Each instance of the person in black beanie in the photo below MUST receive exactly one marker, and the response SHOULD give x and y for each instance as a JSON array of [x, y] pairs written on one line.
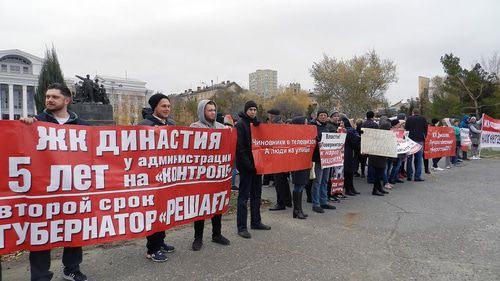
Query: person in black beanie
[[250, 183], [320, 183], [160, 106]]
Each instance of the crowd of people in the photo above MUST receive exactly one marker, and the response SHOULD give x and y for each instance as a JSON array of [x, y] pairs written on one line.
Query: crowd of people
[[383, 172]]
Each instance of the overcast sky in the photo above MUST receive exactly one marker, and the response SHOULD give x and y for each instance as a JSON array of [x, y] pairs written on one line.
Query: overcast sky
[[175, 45]]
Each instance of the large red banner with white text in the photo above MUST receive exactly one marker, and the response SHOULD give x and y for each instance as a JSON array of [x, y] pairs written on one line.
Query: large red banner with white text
[[64, 185], [440, 142], [279, 148]]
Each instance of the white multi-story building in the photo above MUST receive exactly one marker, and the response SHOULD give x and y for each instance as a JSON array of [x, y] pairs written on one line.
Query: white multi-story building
[[263, 82], [19, 73]]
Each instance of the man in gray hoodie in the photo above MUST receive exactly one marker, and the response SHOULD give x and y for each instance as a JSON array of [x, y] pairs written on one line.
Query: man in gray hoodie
[[207, 114]]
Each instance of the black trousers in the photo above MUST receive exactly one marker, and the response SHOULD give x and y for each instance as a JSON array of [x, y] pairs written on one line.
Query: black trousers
[[379, 178], [283, 195], [155, 241], [40, 263], [362, 163], [250, 188], [348, 181], [216, 227]]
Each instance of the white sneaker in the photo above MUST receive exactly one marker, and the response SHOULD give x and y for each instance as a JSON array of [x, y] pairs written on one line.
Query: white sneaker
[[448, 167], [474, 158], [439, 169]]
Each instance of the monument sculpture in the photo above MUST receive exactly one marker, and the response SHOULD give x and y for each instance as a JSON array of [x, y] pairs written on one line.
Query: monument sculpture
[[91, 102]]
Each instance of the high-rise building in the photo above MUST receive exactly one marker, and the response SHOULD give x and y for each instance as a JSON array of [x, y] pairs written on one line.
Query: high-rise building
[[263, 82]]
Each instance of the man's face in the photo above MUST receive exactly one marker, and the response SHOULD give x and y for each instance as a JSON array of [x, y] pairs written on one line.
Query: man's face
[[162, 109], [270, 116], [55, 100], [251, 112], [210, 112], [322, 117]]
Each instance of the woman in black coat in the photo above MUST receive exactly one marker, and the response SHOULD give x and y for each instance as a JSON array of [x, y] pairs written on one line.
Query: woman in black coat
[[299, 179], [352, 143], [379, 164]]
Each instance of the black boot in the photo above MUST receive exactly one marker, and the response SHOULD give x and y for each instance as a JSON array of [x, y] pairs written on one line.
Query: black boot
[[380, 188], [355, 191], [348, 191], [376, 192], [297, 206]]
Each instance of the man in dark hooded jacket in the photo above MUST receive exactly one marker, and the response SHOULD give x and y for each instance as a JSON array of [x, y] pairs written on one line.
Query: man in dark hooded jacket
[[207, 110], [160, 105], [250, 182], [57, 99]]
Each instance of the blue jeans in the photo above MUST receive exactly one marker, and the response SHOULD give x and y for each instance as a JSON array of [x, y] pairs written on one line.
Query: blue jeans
[[418, 160], [320, 186], [393, 175], [298, 187], [387, 171], [233, 178]]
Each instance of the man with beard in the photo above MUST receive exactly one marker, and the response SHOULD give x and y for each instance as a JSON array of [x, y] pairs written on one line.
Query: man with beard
[[57, 98], [250, 182], [207, 112]]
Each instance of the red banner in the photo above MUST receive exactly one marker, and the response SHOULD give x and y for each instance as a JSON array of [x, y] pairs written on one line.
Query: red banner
[[77, 185], [440, 142], [279, 148]]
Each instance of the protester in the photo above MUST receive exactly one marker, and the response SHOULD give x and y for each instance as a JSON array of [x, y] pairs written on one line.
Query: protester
[[299, 179], [207, 110], [57, 99], [379, 163], [456, 160], [393, 170], [229, 123], [283, 195], [361, 157], [250, 182], [464, 124], [320, 183], [160, 105], [435, 161], [417, 127], [352, 144], [475, 136], [371, 124]]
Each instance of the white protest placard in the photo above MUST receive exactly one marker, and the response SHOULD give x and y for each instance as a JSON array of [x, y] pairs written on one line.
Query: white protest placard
[[379, 142], [331, 150], [464, 137]]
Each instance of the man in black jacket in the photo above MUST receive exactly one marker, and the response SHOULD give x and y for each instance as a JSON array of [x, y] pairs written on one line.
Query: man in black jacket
[[56, 111], [250, 182], [417, 127], [160, 105]]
